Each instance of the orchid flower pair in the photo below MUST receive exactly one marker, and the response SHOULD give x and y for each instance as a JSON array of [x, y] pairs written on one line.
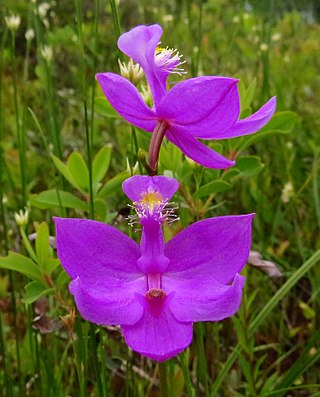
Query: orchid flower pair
[[206, 107], [155, 291]]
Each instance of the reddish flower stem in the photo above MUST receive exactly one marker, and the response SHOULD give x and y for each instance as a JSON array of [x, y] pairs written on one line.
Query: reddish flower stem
[[154, 148]]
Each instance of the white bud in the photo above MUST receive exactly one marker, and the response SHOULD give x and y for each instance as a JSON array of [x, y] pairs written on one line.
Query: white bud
[[43, 9], [131, 71], [264, 47], [276, 37], [13, 22], [29, 34], [287, 192], [47, 53], [236, 19], [22, 217]]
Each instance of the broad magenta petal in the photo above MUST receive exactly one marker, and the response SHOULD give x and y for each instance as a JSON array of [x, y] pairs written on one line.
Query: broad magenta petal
[[93, 250], [251, 124], [137, 185], [197, 151], [111, 301], [158, 337], [127, 101], [201, 106], [218, 247], [207, 299]]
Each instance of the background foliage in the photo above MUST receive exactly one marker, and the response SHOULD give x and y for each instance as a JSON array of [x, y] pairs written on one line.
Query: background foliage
[[65, 152]]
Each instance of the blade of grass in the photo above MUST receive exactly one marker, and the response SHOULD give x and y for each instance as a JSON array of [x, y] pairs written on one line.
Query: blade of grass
[[263, 314]]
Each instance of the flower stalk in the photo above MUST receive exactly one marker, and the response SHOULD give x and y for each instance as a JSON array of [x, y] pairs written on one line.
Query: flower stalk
[[154, 148]]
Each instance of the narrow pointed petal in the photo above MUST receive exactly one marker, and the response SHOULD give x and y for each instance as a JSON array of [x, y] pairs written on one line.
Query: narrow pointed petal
[[107, 301], [127, 101], [202, 106], [215, 246], [152, 258], [197, 151], [136, 186], [92, 250], [251, 124], [140, 44], [208, 300], [158, 337]]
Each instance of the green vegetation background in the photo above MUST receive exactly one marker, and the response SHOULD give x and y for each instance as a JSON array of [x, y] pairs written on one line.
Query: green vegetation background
[[65, 152]]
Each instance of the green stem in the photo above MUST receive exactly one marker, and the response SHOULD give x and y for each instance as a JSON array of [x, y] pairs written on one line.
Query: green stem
[[163, 379], [116, 23]]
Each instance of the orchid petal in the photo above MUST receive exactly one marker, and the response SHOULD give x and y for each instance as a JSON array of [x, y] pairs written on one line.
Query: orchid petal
[[140, 44], [158, 337], [201, 106], [218, 246], [127, 101], [136, 186], [92, 250], [106, 302], [197, 151], [251, 124], [208, 300]]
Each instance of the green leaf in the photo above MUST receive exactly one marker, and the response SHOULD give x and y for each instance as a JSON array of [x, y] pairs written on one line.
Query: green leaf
[[103, 107], [78, 170], [113, 184], [34, 291], [63, 169], [42, 242], [230, 173], [249, 165], [281, 123], [247, 95], [50, 199], [100, 209], [21, 264], [212, 187], [50, 264], [62, 279], [101, 164]]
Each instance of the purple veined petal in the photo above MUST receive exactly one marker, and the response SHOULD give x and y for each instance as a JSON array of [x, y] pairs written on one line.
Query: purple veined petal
[[197, 151], [201, 106], [140, 44], [158, 337], [136, 186], [207, 299], [109, 301], [152, 258], [216, 246], [127, 101], [91, 250], [251, 124]]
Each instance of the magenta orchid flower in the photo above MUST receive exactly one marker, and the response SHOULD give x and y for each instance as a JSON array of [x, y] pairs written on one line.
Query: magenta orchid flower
[[206, 107], [155, 291]]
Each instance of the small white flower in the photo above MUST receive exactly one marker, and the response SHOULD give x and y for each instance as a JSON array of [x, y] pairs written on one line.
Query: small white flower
[[13, 22], [22, 217], [167, 18], [47, 53], [264, 47], [29, 34], [43, 10], [276, 37], [236, 19], [287, 192]]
